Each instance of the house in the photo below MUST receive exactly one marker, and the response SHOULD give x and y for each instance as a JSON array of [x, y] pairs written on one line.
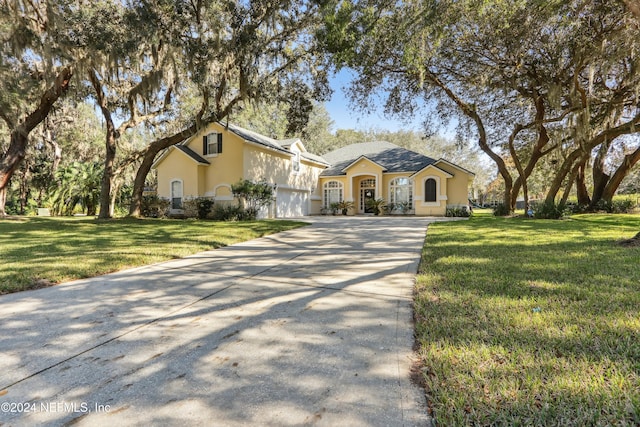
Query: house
[[220, 155], [373, 170]]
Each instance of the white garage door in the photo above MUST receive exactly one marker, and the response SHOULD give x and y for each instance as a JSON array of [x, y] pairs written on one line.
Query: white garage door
[[291, 203]]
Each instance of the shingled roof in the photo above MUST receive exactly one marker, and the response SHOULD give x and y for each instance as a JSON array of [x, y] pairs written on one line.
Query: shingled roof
[[282, 145], [391, 157], [195, 156]]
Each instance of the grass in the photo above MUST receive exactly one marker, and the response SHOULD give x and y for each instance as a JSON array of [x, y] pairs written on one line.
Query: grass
[[38, 252], [531, 322]]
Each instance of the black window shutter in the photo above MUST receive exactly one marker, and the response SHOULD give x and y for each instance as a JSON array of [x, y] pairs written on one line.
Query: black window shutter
[[204, 145], [219, 143]]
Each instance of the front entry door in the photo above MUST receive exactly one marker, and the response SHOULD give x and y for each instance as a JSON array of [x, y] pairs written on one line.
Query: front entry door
[[367, 194]]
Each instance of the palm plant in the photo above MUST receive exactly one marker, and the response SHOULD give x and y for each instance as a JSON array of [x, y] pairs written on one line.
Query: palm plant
[[78, 183], [345, 206], [376, 205]]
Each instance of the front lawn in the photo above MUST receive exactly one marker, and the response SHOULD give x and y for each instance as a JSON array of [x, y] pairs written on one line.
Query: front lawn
[[38, 252], [531, 322]]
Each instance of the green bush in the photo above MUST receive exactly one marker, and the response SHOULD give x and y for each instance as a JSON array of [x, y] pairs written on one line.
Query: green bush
[[189, 208], [501, 210], [255, 194], [578, 208], [226, 212], [549, 210], [461, 212], [623, 206], [199, 206], [154, 207]]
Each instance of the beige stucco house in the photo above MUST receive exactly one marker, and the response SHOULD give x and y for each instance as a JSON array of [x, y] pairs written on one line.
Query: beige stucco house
[[207, 164]]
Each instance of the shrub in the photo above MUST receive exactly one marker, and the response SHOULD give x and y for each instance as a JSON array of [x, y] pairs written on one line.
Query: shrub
[[255, 194], [189, 208], [376, 205], [154, 207], [549, 210], [501, 210], [345, 206], [203, 206], [226, 212], [578, 208], [460, 212], [622, 206]]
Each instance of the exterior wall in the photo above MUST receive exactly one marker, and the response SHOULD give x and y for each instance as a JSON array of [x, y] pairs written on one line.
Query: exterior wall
[[437, 208], [178, 166], [458, 186], [277, 168], [225, 168]]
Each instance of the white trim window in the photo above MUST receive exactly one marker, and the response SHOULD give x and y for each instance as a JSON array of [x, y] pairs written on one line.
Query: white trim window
[[401, 191], [295, 163], [176, 194], [431, 191], [332, 193], [212, 144]]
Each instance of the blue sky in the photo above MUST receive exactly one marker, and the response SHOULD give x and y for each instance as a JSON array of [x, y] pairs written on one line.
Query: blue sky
[[347, 117]]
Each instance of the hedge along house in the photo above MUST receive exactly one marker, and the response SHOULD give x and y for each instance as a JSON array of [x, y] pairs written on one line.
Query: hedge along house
[[374, 170], [207, 164], [218, 156]]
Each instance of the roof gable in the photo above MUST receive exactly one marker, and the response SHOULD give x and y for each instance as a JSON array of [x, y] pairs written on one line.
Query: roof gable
[[192, 154], [184, 150], [363, 159], [455, 166], [433, 166]]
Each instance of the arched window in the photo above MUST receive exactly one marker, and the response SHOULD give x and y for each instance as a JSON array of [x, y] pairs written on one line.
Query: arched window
[[332, 193], [430, 190], [401, 191], [176, 194]]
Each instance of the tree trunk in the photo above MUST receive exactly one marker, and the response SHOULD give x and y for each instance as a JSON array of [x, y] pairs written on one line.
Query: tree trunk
[[110, 148], [581, 186], [107, 176], [629, 162], [600, 178], [148, 157], [470, 111], [570, 182], [3, 201], [20, 134], [24, 188]]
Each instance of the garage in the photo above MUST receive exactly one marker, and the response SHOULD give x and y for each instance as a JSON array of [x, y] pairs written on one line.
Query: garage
[[291, 203]]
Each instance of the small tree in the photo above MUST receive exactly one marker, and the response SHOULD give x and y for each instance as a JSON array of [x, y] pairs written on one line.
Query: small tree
[[254, 195]]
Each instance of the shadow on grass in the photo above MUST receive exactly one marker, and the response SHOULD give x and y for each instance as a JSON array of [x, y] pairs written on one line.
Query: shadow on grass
[[51, 250], [531, 322]]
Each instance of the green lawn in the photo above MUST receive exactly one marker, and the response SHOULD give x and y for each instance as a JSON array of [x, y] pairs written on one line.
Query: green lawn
[[36, 252], [531, 322]]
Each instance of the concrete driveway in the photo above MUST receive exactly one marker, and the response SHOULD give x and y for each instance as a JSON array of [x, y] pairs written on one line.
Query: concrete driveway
[[311, 326]]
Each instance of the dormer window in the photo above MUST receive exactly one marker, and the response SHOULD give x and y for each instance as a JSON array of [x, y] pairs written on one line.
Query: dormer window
[[212, 144]]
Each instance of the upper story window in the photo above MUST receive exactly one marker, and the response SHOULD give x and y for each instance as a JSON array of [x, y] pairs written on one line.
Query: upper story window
[[295, 162], [430, 190], [212, 144]]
